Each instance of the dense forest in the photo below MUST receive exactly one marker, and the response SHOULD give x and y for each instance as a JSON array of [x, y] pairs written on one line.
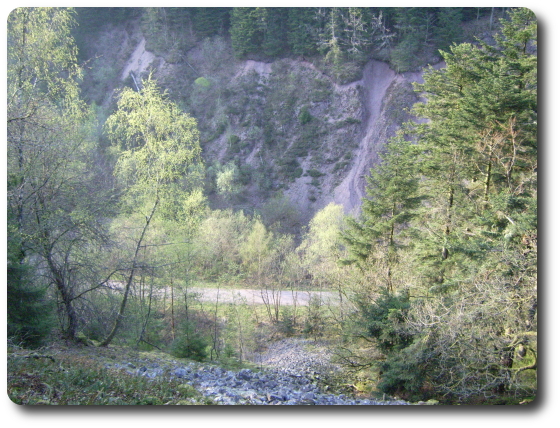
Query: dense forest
[[118, 217]]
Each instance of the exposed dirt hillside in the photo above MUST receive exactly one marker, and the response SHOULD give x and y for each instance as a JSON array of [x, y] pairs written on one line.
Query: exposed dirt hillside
[[286, 126]]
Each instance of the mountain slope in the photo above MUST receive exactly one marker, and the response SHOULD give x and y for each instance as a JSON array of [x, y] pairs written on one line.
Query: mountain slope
[[283, 127]]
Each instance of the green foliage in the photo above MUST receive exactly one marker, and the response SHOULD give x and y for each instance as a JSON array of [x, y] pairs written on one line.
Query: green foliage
[[209, 21], [321, 246], [404, 54], [29, 309], [219, 239], [158, 149], [54, 193], [451, 214], [245, 34], [233, 140], [30, 312], [281, 215], [301, 21], [202, 82], [287, 322], [304, 115], [403, 374], [384, 320], [227, 180], [259, 30], [315, 173], [68, 378], [448, 27], [456, 208], [164, 31], [315, 318], [190, 344]]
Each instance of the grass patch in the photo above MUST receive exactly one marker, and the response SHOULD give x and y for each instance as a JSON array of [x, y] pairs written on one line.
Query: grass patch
[[74, 378]]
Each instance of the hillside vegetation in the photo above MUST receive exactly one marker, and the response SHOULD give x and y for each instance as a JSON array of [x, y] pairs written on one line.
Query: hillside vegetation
[[384, 156]]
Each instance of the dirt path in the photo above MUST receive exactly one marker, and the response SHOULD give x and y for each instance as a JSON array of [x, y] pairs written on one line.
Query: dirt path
[[260, 297]]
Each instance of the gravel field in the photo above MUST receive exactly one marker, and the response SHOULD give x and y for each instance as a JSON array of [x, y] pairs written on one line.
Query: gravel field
[[290, 375]]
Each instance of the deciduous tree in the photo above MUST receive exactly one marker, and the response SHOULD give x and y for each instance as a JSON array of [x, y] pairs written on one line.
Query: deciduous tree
[[158, 164]]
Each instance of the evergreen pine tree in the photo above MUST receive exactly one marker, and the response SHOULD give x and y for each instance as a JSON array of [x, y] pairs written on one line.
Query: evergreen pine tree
[[301, 31], [390, 206], [246, 35]]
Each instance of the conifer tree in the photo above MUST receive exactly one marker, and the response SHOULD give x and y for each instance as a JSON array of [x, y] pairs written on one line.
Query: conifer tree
[[476, 230], [480, 137], [246, 36], [301, 31], [392, 200]]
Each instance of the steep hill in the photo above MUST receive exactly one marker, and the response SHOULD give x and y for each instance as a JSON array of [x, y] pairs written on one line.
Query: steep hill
[[283, 130]]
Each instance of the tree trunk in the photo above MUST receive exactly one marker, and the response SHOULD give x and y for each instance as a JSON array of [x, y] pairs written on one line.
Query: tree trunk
[[145, 325], [487, 182], [120, 315], [445, 250], [172, 313]]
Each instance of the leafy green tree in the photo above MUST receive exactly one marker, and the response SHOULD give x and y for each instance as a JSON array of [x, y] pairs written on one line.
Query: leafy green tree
[[322, 245], [218, 240], [158, 164], [53, 193], [255, 251]]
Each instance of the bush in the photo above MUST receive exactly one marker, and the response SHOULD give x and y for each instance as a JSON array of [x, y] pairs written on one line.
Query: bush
[[233, 139], [304, 116], [190, 344], [30, 317], [384, 320], [404, 373], [314, 323], [287, 323], [202, 82], [315, 173]]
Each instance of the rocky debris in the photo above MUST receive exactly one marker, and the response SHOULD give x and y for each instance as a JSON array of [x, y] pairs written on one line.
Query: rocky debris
[[291, 377], [248, 387], [297, 354]]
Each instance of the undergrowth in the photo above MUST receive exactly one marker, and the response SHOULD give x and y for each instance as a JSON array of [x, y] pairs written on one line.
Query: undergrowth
[[54, 378]]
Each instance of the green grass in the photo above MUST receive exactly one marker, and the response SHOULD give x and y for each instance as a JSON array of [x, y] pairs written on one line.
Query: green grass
[[72, 378]]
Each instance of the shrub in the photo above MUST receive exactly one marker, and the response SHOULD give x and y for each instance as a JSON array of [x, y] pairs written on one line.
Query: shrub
[[190, 344], [315, 173], [384, 320], [203, 82], [233, 139], [29, 310], [404, 373], [304, 116], [315, 322], [287, 323]]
